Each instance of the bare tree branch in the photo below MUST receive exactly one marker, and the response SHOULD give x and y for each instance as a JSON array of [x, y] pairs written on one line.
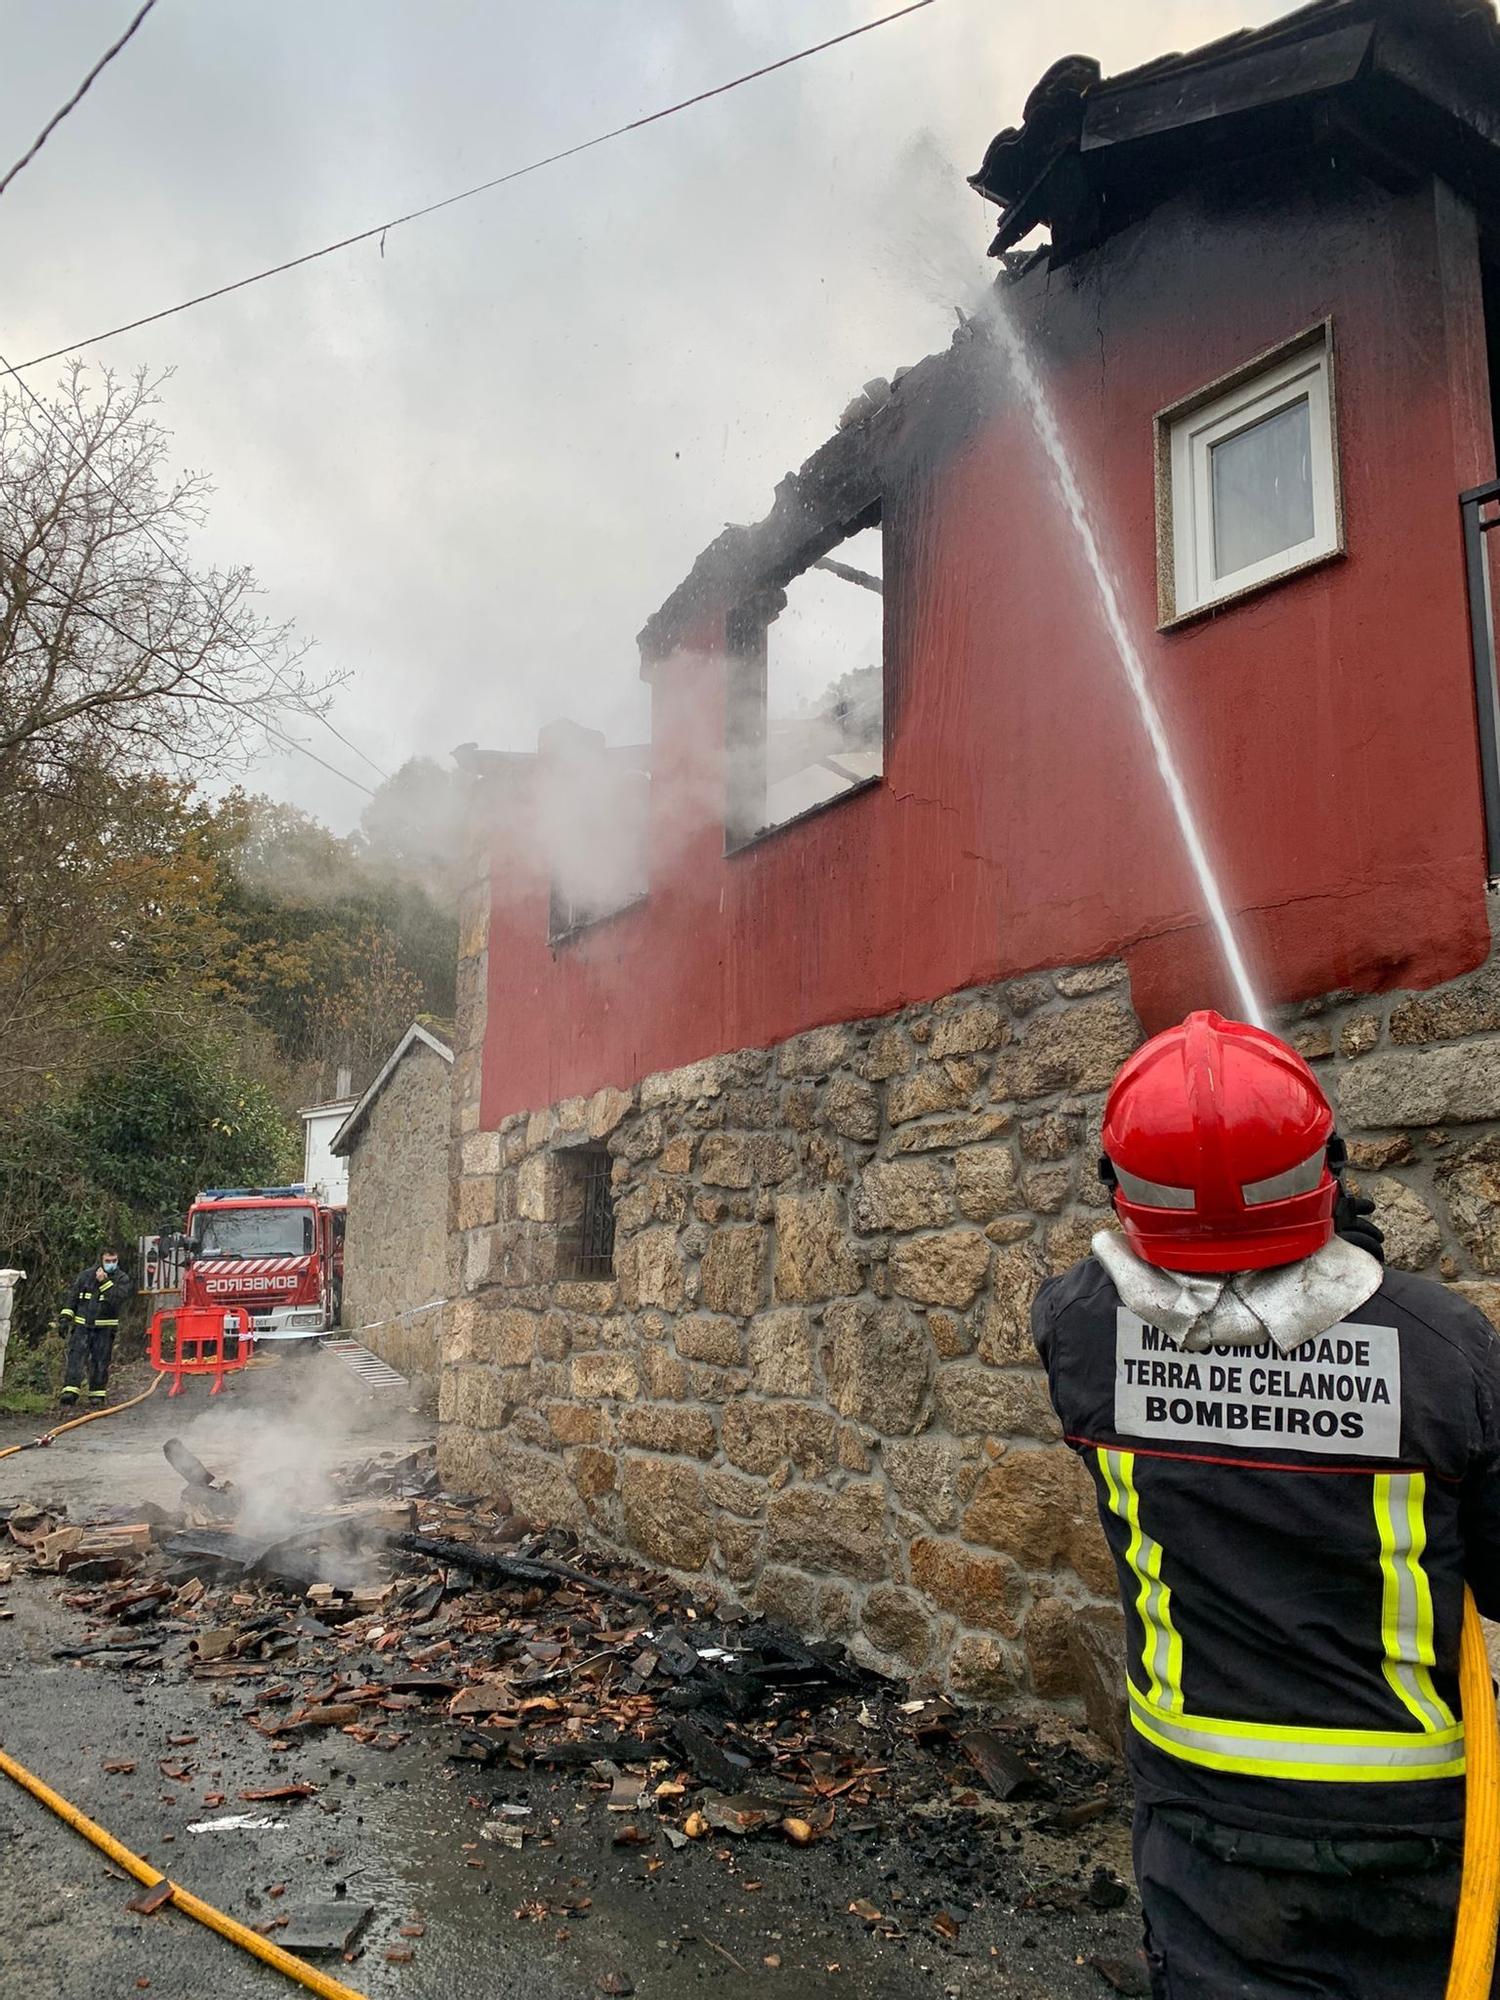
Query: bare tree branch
[[112, 644]]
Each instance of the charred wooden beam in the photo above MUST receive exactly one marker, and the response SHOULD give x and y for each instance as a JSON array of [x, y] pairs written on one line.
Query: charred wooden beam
[[513, 1569], [847, 573]]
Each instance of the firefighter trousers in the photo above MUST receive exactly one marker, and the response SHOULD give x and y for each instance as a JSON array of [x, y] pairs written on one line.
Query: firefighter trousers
[[90, 1349], [1237, 1915]]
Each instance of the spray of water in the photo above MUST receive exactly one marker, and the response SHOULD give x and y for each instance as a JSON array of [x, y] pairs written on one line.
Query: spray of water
[[1008, 337]]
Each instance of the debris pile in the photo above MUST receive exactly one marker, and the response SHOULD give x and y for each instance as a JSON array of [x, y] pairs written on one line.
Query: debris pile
[[401, 1608]]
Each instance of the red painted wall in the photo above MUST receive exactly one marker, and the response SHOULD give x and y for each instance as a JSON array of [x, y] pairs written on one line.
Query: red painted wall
[[1325, 727]]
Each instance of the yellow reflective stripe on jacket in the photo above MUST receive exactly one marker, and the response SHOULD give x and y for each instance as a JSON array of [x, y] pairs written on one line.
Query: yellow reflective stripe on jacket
[[1406, 1598], [1271, 1750], [1290, 1750], [1161, 1651]]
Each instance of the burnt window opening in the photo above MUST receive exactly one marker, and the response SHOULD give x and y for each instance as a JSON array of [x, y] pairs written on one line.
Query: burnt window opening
[[588, 1213], [568, 913], [597, 838], [806, 709], [592, 806]]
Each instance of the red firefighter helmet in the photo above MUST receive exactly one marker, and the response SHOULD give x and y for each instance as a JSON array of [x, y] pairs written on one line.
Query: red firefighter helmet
[[1216, 1136]]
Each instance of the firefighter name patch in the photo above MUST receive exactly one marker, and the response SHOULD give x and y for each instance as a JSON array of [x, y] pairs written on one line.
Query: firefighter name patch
[[1337, 1394]]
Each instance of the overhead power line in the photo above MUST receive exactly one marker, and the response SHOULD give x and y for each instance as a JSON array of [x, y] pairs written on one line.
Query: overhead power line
[[484, 187], [58, 116], [292, 744], [350, 744], [186, 574]]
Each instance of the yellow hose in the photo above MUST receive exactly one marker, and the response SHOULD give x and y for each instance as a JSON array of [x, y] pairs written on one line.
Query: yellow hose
[[190, 1905], [1479, 1897], [92, 1417]]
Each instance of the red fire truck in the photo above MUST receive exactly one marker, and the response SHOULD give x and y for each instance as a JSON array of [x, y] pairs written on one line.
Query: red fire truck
[[275, 1252]]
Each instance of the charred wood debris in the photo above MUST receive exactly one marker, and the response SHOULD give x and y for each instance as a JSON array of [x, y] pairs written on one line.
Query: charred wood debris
[[404, 1608]]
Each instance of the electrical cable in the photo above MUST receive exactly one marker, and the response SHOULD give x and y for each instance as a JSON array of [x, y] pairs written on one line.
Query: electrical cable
[[350, 744], [58, 116], [180, 1899], [291, 743], [484, 187], [363, 236]]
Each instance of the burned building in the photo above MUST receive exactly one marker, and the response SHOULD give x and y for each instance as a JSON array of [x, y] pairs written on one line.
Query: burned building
[[757, 1169]]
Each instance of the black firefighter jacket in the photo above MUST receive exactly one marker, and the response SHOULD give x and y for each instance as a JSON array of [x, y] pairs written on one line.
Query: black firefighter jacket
[[1292, 1536], [96, 1301]]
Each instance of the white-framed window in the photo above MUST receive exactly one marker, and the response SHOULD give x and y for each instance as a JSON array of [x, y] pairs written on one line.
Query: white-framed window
[[1250, 471]]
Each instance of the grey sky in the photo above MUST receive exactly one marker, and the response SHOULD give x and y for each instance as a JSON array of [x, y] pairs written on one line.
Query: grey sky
[[471, 467]]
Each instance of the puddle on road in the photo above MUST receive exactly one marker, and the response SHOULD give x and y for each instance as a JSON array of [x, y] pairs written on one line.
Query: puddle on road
[[420, 1839], [418, 1846]]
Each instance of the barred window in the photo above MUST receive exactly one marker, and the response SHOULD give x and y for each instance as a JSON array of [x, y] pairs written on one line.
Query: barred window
[[588, 1213], [596, 1250]]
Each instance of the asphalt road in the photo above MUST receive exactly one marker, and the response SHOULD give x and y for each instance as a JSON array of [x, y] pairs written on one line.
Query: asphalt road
[[399, 1830]]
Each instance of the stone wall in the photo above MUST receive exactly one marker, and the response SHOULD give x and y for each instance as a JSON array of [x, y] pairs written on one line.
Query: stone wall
[[810, 1383], [810, 1380], [396, 1246], [1415, 1078]]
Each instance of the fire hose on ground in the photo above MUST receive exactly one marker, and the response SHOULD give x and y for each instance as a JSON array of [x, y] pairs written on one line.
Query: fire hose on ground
[[74, 1423], [180, 1899], [113, 1409], [1470, 1972]]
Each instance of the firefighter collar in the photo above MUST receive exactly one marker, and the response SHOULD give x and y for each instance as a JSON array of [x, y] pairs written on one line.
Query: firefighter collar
[[1286, 1305]]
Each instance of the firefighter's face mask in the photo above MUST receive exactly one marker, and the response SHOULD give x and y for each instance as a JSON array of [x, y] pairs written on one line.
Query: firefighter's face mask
[[111, 1263]]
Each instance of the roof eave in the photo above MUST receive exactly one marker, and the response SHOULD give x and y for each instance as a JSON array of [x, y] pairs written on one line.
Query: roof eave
[[343, 1140], [1422, 77]]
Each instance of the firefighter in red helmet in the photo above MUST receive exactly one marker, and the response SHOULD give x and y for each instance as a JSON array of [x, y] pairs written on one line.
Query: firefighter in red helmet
[[1297, 1460]]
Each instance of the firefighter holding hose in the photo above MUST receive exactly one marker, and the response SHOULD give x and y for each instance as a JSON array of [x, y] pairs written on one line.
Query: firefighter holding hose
[[91, 1319], [1296, 1455]]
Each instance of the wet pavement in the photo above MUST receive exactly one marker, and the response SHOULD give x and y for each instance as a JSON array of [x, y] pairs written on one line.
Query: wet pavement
[[570, 1913]]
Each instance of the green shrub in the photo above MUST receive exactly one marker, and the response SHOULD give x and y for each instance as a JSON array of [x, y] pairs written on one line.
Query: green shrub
[[33, 1374], [122, 1155]]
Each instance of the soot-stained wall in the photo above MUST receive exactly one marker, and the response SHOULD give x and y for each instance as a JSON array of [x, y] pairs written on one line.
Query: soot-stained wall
[[1325, 727]]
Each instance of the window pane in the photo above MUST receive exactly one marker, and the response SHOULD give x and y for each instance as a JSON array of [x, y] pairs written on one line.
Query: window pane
[[1263, 493]]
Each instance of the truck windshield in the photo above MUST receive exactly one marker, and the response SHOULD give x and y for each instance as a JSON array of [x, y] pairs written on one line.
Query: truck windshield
[[254, 1232]]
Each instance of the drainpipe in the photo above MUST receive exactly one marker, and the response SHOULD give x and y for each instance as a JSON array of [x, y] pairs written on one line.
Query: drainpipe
[[8, 1282]]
